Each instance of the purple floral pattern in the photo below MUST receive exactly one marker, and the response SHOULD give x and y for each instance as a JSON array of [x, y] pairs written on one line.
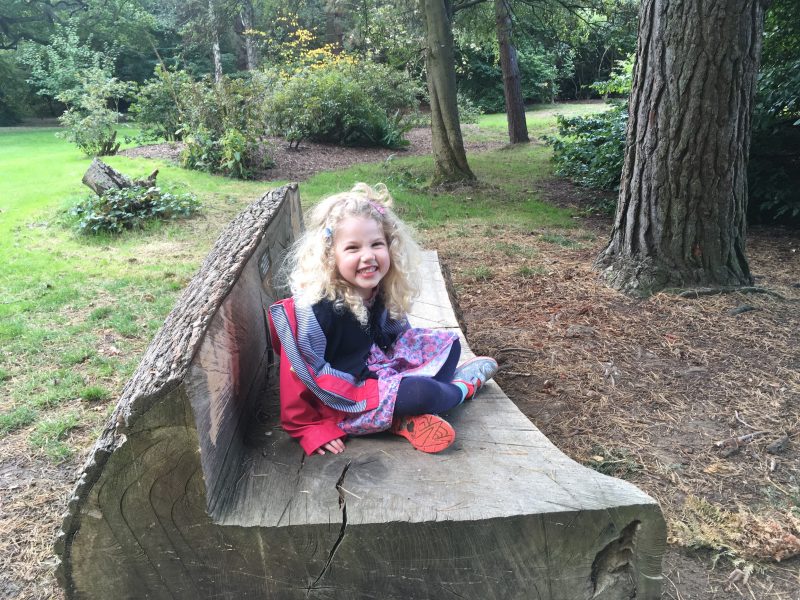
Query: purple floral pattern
[[420, 352]]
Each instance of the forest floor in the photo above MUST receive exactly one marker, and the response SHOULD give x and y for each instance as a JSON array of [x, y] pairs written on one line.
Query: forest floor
[[654, 391]]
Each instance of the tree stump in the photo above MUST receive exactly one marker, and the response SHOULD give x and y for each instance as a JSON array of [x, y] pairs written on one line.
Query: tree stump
[[194, 491], [101, 178]]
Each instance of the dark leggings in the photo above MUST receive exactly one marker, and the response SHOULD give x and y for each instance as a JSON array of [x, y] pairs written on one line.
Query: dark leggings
[[434, 395]]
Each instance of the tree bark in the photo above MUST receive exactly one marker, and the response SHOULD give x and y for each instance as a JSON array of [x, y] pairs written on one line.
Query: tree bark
[[334, 31], [450, 159], [100, 178], [246, 16], [512, 88], [215, 52], [680, 219]]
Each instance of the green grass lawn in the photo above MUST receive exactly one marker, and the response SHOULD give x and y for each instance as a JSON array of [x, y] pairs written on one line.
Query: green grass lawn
[[540, 118], [76, 313]]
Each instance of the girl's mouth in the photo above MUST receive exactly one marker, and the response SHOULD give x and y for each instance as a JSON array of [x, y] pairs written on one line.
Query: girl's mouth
[[368, 270]]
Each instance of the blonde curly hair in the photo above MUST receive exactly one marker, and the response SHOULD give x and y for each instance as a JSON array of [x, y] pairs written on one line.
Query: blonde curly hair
[[311, 265]]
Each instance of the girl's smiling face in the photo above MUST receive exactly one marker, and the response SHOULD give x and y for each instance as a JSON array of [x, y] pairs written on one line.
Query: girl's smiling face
[[361, 253]]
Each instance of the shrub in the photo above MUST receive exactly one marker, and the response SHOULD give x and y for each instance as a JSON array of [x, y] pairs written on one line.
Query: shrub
[[223, 125], [201, 151], [591, 149], [620, 80], [468, 111], [88, 122], [239, 156], [129, 208], [233, 155], [345, 101], [68, 70], [157, 106]]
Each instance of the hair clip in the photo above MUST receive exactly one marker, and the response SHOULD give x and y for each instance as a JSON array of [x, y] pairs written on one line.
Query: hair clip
[[327, 233], [379, 207]]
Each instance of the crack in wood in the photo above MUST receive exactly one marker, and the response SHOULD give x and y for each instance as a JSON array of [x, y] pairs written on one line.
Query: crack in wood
[[453, 592], [296, 485], [338, 542]]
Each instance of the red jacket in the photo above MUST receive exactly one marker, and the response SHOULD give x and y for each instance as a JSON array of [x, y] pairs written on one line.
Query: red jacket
[[303, 415]]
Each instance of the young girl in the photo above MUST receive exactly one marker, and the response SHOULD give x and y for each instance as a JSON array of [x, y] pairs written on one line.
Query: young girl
[[349, 362]]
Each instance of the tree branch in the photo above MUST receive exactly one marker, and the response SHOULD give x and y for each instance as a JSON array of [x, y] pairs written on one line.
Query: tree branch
[[43, 11]]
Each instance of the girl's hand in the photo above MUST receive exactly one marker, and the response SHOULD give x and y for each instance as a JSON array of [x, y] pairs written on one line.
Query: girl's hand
[[334, 446]]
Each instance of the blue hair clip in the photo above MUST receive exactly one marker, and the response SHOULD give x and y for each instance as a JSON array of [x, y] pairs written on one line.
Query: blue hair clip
[[327, 233]]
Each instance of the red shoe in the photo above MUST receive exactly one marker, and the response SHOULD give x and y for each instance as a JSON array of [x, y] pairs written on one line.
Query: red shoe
[[427, 433]]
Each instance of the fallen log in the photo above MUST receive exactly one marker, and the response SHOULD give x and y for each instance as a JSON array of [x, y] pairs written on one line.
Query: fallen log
[[100, 178]]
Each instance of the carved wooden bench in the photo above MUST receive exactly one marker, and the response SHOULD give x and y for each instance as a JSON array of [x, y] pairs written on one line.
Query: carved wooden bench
[[193, 490]]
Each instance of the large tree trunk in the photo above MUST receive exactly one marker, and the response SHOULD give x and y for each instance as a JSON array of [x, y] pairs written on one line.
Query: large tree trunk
[[215, 52], [334, 15], [512, 88], [193, 491], [680, 218], [246, 16], [450, 159]]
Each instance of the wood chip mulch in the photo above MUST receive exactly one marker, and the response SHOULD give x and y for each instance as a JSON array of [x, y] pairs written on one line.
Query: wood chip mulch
[[310, 158], [697, 401]]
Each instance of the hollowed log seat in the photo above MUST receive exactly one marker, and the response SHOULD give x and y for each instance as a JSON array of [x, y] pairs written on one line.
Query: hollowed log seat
[[193, 491]]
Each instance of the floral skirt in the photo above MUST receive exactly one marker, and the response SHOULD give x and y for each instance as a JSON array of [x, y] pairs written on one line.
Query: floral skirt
[[418, 352]]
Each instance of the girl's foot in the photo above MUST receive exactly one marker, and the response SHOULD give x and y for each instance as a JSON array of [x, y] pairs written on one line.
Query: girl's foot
[[474, 372], [428, 433]]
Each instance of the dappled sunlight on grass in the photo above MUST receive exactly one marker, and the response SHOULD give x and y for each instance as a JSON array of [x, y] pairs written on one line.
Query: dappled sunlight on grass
[[540, 118]]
